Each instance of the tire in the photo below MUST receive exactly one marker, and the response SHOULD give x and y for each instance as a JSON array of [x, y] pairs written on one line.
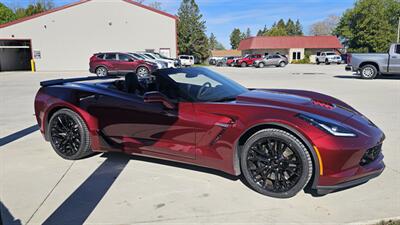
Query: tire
[[266, 173], [243, 64], [368, 72], [261, 65], [67, 126], [317, 61], [282, 64], [142, 71], [101, 71], [327, 62]]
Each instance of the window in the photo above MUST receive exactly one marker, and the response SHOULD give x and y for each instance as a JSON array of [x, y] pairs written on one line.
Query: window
[[330, 53], [397, 50], [100, 56], [124, 57], [296, 55], [318, 53], [276, 57], [111, 56], [184, 57]]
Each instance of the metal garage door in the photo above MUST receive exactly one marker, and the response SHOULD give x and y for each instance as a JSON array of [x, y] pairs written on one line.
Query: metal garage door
[[15, 55]]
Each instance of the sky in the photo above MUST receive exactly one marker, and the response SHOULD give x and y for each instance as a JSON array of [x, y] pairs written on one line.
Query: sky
[[222, 16]]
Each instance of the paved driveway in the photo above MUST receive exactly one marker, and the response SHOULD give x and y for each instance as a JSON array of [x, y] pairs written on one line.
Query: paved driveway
[[37, 186]]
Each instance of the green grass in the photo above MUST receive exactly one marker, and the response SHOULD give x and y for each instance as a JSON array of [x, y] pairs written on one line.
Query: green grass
[[389, 222]]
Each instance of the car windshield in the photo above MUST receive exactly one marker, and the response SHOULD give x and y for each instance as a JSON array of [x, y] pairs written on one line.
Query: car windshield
[[204, 85], [158, 55], [137, 56], [330, 53], [149, 56]]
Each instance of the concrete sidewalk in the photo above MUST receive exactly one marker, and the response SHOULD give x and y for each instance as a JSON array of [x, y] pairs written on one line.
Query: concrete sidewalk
[[38, 187]]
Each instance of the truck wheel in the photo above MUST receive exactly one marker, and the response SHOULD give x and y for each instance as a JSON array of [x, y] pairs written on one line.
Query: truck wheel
[[327, 62], [317, 61], [369, 72]]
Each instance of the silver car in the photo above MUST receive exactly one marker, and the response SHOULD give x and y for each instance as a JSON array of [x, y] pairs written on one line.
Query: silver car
[[272, 60]]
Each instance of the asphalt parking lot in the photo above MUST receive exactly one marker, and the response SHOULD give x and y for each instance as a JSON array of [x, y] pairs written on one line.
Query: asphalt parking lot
[[37, 186]]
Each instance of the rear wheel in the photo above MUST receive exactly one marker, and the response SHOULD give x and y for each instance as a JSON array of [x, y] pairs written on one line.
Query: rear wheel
[[369, 72], [142, 72], [101, 71], [69, 135], [282, 64], [275, 163], [261, 65], [327, 62], [317, 61]]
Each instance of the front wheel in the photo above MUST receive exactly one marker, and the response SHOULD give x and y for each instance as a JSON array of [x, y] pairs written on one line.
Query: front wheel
[[261, 65], [69, 135], [142, 72], [275, 163], [101, 71], [317, 61], [243, 64], [327, 62], [282, 64]]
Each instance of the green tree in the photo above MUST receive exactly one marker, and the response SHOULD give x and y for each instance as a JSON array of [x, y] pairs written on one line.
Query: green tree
[[35, 7], [192, 38], [263, 31], [370, 26], [235, 37], [212, 41], [278, 29], [290, 28], [6, 14], [298, 28], [219, 46], [248, 33]]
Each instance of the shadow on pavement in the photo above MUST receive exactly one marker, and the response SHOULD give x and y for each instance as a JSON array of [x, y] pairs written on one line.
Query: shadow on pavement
[[6, 218], [381, 77], [80, 204], [17, 135]]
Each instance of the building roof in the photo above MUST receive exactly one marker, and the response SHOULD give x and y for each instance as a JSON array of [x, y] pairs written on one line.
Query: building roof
[[81, 2], [222, 53], [285, 42]]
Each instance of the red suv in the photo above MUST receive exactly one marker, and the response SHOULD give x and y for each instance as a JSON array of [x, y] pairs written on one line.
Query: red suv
[[248, 60], [103, 64]]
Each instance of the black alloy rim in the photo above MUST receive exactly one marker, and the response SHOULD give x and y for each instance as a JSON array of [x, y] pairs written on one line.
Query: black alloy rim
[[65, 134], [273, 165]]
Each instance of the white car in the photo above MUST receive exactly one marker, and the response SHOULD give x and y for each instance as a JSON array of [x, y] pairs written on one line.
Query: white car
[[328, 58], [186, 60], [172, 63], [160, 64]]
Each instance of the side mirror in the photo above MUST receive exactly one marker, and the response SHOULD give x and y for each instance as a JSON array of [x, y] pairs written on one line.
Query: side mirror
[[158, 97]]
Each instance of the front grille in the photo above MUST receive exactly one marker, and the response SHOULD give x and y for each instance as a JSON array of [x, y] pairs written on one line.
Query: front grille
[[370, 155]]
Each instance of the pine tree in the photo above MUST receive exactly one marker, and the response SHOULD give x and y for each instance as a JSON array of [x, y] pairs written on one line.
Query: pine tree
[[298, 28], [290, 28], [192, 38], [212, 42], [248, 33], [6, 14], [235, 38]]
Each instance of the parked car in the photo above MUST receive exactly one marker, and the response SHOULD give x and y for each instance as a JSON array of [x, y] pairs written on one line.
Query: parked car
[[172, 63], [160, 64], [213, 60], [272, 60], [328, 58], [280, 140], [232, 61], [103, 64], [372, 64], [248, 60], [186, 60], [223, 61]]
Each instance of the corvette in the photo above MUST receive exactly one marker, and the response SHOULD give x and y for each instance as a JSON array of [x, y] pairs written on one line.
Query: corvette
[[281, 141]]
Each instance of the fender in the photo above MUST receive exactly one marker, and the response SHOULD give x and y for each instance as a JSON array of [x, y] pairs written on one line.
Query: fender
[[316, 174]]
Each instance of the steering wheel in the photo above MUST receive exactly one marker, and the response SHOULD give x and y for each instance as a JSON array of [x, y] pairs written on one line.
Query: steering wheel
[[204, 89]]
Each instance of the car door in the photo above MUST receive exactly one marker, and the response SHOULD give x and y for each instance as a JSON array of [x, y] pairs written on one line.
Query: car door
[[269, 60], [110, 61], [126, 63], [145, 128], [394, 60]]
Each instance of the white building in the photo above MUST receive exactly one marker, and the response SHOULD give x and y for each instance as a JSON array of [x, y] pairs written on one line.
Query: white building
[[66, 37]]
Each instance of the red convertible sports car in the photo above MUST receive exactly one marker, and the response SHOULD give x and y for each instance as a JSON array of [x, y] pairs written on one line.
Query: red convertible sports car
[[281, 141]]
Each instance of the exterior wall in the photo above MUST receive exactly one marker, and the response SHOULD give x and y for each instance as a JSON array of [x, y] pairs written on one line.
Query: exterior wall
[[269, 51], [301, 50], [67, 38]]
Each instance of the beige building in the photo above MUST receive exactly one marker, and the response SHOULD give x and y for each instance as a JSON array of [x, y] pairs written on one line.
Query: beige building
[[65, 38], [293, 47]]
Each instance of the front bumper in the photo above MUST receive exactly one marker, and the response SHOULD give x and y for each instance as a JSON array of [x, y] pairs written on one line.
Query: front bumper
[[351, 183]]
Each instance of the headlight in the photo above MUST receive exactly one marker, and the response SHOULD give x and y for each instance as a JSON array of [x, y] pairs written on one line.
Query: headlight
[[329, 126]]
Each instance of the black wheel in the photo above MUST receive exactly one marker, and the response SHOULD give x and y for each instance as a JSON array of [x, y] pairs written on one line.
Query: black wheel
[[69, 135], [327, 62], [243, 64], [261, 65], [275, 163], [282, 64], [101, 71], [368, 72], [317, 61]]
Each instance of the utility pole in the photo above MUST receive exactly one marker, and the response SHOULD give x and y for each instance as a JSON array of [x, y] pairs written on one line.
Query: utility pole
[[398, 32]]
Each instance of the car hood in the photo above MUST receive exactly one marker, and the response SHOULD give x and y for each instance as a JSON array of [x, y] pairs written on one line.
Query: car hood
[[297, 103]]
